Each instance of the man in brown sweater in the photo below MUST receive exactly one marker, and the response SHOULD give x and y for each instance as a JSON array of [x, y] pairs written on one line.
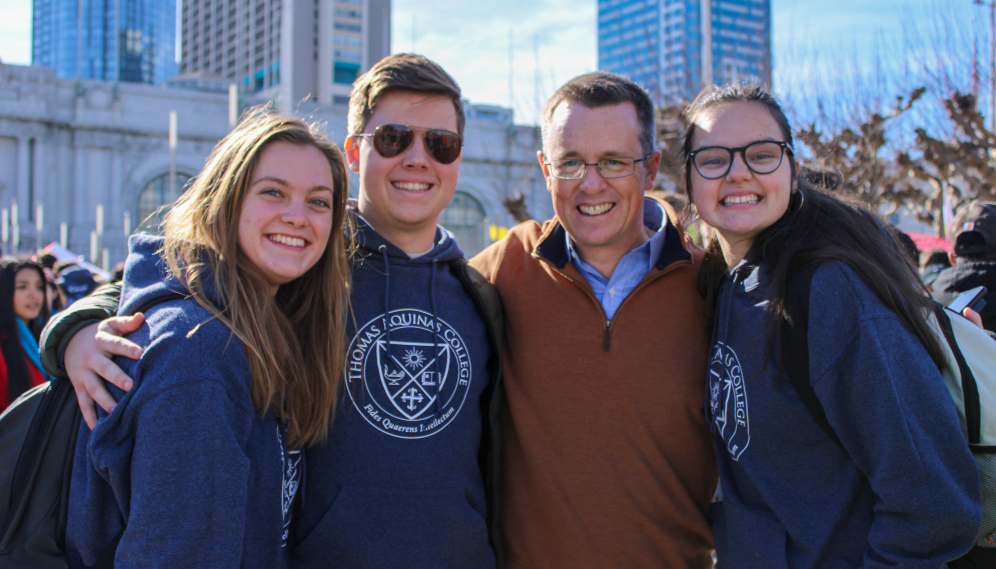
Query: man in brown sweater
[[608, 459]]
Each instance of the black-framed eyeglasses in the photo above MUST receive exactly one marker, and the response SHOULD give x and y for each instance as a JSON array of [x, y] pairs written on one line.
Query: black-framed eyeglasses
[[390, 140], [574, 169], [763, 157]]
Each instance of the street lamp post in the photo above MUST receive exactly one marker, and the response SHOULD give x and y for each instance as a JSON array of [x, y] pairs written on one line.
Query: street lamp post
[[992, 59]]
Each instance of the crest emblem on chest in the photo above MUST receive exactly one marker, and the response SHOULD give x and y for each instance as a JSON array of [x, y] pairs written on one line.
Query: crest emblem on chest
[[728, 399], [408, 373]]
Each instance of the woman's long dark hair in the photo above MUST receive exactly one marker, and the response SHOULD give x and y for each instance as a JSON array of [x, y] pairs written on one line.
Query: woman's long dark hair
[[818, 226], [18, 377]]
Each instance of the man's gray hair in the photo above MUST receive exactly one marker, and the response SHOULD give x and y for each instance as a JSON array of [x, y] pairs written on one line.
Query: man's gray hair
[[602, 89]]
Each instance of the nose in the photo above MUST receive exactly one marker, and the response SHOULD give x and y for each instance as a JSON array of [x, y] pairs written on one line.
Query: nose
[[416, 157], [738, 169], [592, 181], [295, 215]]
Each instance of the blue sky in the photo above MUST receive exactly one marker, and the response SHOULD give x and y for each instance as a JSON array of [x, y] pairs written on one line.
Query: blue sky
[[553, 40]]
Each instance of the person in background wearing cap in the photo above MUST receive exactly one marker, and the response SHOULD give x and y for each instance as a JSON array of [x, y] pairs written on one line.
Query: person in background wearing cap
[[973, 254], [74, 282]]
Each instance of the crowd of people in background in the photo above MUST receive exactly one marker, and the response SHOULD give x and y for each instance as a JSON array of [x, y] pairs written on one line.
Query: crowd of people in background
[[31, 290]]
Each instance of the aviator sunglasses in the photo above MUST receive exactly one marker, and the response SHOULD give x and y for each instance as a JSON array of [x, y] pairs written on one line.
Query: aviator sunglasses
[[390, 140]]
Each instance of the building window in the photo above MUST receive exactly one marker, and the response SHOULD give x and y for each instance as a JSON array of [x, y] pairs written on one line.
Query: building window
[[346, 13], [465, 218], [348, 55], [352, 41], [348, 27], [154, 196], [345, 73]]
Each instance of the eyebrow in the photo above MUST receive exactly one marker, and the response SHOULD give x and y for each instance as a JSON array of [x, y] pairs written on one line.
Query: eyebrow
[[284, 183], [749, 143], [608, 154]]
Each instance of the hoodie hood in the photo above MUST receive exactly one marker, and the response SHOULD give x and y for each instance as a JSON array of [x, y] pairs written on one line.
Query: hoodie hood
[[370, 242], [146, 275]]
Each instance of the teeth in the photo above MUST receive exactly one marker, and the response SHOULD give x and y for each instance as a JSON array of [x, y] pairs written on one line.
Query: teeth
[[752, 198], [291, 241], [595, 209], [411, 186]]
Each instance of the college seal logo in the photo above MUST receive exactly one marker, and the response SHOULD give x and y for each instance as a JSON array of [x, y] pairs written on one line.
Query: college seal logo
[[412, 382], [728, 399]]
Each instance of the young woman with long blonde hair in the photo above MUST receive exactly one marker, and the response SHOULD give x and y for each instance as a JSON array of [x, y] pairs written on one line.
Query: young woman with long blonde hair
[[199, 463]]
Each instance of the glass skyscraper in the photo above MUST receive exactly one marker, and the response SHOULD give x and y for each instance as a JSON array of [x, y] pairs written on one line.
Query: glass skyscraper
[[113, 40], [676, 47]]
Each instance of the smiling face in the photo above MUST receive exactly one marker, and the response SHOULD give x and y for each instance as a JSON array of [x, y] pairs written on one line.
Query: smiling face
[[29, 293], [603, 217], [286, 217], [741, 204], [401, 197]]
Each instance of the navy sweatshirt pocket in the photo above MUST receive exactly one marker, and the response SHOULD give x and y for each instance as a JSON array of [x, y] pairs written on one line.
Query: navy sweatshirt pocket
[[373, 528]]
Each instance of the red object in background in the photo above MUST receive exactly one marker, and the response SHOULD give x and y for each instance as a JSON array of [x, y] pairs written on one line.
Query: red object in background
[[36, 379], [926, 242]]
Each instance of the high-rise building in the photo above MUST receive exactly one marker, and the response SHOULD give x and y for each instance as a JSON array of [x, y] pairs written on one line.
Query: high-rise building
[[297, 49], [674, 48], [112, 40]]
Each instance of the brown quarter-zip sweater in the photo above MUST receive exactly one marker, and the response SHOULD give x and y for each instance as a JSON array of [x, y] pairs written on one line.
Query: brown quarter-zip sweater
[[608, 458]]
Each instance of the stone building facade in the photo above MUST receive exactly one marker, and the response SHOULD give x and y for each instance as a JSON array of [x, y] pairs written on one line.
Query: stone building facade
[[71, 145]]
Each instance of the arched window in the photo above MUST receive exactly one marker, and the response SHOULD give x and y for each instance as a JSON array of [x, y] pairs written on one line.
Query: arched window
[[464, 216], [155, 195]]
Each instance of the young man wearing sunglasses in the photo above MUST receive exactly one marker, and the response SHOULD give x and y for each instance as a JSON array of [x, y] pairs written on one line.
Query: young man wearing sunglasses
[[407, 477], [608, 457]]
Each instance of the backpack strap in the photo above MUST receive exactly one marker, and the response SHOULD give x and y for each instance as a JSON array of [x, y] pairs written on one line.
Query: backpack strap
[[795, 346], [969, 386], [490, 457]]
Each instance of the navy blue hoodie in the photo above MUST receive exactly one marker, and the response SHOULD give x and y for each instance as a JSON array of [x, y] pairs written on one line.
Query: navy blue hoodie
[[184, 465], [398, 483], [905, 493]]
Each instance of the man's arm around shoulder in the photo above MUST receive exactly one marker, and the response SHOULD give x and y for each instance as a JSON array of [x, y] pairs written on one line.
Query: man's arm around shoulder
[[102, 304]]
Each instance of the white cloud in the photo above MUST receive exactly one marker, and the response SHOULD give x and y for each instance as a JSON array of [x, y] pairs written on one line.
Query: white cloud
[[471, 41], [15, 31]]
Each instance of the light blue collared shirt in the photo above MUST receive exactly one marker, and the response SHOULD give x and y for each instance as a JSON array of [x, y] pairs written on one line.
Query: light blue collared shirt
[[631, 268]]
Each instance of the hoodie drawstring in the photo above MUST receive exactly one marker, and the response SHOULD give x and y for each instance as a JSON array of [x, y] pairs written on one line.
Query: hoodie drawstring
[[435, 343], [387, 294]]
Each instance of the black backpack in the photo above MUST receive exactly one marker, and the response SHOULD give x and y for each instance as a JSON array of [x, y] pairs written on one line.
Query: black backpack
[[38, 435], [970, 375], [37, 442]]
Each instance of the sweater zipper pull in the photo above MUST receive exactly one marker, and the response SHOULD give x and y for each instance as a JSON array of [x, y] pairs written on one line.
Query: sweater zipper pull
[[608, 335]]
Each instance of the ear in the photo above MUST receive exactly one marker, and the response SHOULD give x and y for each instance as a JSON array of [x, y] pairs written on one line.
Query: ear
[[951, 257], [546, 170], [353, 153], [653, 165]]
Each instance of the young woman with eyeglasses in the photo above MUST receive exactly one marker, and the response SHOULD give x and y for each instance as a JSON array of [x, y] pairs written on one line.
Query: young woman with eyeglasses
[[901, 488], [199, 464]]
